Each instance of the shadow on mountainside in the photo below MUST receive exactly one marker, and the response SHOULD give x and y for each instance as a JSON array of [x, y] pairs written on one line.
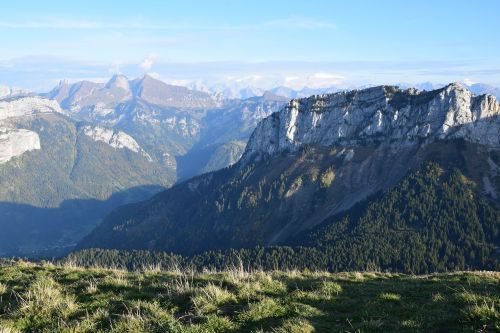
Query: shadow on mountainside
[[36, 231]]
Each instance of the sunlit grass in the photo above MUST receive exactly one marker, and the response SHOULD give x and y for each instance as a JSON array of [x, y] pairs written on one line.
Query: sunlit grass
[[46, 298]]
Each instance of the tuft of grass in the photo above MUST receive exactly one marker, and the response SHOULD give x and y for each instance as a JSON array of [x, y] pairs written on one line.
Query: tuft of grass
[[44, 304], [266, 308], [295, 325], [182, 287], [119, 279], [268, 284], [9, 329], [390, 297], [410, 323], [147, 317], [438, 297], [305, 310], [215, 324], [481, 309], [209, 298], [3, 288], [45, 295], [329, 289], [249, 290], [484, 312], [92, 286]]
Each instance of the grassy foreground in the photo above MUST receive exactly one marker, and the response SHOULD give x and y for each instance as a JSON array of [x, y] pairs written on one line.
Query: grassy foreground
[[47, 298]]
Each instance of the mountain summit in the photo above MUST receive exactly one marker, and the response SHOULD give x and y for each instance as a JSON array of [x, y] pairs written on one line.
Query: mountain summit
[[160, 93]]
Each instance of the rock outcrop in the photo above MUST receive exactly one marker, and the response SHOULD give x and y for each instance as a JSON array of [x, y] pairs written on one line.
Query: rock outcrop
[[15, 142], [116, 139], [385, 113], [27, 106]]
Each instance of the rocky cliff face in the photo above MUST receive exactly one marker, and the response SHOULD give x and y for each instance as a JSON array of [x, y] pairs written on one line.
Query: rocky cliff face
[[116, 139], [15, 142], [388, 114], [27, 106]]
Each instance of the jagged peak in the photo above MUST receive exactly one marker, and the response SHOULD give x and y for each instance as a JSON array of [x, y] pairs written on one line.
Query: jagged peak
[[148, 77], [118, 81], [271, 96], [455, 85], [63, 82]]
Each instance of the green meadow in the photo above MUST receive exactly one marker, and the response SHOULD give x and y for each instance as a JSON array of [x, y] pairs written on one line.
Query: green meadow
[[50, 298]]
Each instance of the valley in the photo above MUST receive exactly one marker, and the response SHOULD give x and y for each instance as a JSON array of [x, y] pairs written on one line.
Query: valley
[[103, 146]]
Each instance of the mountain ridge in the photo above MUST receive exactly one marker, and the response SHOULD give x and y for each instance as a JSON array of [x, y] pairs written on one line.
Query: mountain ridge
[[301, 121], [296, 172]]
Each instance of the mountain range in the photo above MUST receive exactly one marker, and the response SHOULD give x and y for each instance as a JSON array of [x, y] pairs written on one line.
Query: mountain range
[[70, 157], [324, 156], [242, 90]]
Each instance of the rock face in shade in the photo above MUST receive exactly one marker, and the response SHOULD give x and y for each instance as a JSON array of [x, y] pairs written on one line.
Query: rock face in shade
[[314, 159]]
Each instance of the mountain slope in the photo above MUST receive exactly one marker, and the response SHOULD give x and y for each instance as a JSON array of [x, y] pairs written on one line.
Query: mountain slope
[[51, 163], [315, 159], [434, 219]]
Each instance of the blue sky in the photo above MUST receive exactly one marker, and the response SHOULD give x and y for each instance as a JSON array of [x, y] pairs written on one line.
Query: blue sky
[[260, 42]]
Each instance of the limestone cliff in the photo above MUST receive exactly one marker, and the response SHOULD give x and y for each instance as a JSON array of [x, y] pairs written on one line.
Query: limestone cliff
[[381, 114]]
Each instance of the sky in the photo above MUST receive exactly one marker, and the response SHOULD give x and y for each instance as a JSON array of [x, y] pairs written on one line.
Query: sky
[[263, 43]]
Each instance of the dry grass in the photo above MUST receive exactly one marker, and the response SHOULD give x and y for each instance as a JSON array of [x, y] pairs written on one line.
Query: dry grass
[[48, 298]]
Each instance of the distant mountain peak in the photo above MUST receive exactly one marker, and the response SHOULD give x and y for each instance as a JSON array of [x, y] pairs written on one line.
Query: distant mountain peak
[[119, 81], [158, 92], [269, 95]]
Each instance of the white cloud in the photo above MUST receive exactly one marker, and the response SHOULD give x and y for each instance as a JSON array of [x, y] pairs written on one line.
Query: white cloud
[[250, 78], [469, 82], [294, 22], [148, 62], [322, 80], [115, 67], [291, 79], [154, 75]]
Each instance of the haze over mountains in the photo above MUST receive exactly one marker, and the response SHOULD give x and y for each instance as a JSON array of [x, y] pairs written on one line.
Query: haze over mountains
[[97, 146]]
